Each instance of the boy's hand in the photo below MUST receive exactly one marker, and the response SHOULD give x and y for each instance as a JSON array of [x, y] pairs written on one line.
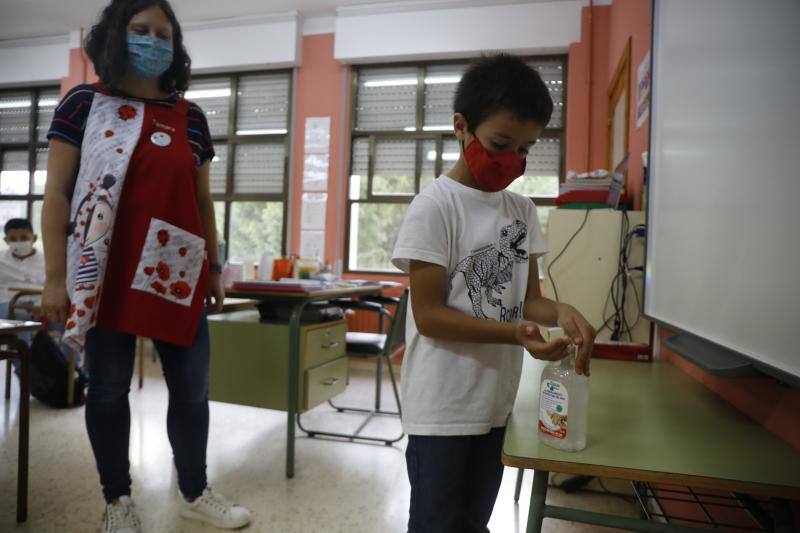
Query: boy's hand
[[580, 332], [528, 337]]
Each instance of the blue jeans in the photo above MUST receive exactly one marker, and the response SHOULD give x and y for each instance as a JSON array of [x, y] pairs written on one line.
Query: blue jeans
[[110, 357], [454, 481]]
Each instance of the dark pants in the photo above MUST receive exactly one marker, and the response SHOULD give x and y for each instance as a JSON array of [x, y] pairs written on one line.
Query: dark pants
[[110, 356], [454, 481]]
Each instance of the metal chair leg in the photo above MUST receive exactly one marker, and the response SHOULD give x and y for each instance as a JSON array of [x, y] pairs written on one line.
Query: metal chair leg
[[378, 381], [394, 384], [8, 378]]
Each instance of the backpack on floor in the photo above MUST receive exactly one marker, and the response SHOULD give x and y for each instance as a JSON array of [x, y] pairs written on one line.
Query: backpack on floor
[[48, 369]]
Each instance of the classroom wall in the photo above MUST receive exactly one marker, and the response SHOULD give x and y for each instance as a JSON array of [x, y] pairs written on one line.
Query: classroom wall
[[453, 29], [587, 83], [37, 61], [250, 43], [81, 70], [632, 19], [605, 30], [321, 92]]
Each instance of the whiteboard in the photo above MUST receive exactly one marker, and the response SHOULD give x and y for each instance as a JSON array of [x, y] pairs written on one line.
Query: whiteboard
[[723, 251]]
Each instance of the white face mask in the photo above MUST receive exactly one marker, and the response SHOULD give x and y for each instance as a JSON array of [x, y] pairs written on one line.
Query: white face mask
[[21, 249]]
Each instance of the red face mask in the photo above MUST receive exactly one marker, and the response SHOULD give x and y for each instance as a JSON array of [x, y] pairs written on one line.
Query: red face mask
[[493, 171]]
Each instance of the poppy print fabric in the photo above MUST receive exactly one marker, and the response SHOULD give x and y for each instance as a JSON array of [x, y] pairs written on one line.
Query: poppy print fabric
[[171, 262]]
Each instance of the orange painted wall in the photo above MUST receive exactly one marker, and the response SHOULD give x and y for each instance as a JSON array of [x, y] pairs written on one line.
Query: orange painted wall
[[592, 62], [80, 71], [319, 94], [632, 19], [587, 80]]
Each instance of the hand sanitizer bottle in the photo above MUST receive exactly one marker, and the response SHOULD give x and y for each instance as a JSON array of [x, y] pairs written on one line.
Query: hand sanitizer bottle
[[563, 403]]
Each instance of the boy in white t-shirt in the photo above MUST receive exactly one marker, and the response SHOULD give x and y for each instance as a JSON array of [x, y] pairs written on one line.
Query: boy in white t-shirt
[[470, 248], [21, 265]]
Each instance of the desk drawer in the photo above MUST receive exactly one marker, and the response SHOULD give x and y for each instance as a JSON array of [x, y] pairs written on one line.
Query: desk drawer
[[324, 382], [323, 344]]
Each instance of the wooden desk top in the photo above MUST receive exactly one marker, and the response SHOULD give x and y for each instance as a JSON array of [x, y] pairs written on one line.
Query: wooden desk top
[[652, 422]]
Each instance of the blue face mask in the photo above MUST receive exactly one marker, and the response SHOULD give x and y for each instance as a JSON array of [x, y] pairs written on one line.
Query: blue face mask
[[150, 57]]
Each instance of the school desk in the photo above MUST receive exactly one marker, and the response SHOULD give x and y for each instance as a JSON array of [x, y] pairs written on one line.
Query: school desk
[[259, 363], [12, 347], [651, 422]]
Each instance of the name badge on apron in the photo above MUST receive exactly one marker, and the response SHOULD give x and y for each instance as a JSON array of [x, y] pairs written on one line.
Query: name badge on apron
[[160, 138]]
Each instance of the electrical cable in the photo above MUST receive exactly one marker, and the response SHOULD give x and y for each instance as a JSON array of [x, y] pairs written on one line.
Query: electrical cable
[[564, 249]]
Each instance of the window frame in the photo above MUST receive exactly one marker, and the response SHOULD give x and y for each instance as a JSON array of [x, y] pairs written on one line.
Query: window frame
[[231, 139], [31, 146], [439, 137]]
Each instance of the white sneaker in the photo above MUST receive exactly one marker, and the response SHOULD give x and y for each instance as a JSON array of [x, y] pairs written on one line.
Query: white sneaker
[[121, 518], [214, 509]]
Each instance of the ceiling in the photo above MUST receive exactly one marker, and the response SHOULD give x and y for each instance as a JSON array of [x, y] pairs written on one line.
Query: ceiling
[[36, 18]]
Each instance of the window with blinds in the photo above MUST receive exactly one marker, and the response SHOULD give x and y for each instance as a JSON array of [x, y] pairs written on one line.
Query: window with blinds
[[25, 116], [402, 139], [248, 116]]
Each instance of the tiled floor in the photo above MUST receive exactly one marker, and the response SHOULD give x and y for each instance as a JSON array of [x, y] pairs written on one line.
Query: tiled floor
[[338, 487]]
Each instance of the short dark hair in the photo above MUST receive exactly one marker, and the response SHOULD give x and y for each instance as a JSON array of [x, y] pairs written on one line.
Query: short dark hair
[[107, 44], [18, 223], [502, 81]]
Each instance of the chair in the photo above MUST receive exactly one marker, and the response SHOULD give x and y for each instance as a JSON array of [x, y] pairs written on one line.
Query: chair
[[13, 306], [380, 346], [12, 347]]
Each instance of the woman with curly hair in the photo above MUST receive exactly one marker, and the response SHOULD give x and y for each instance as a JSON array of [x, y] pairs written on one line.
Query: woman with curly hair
[[131, 248]]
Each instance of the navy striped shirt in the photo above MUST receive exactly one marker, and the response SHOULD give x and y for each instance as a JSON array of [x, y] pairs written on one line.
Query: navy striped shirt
[[69, 120]]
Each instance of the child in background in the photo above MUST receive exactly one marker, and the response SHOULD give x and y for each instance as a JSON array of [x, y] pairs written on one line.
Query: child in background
[[21, 266], [470, 247]]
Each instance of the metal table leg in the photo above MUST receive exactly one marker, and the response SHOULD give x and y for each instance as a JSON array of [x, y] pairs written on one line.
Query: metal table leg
[[518, 489], [538, 497], [140, 355], [13, 348], [294, 378], [783, 516], [24, 429]]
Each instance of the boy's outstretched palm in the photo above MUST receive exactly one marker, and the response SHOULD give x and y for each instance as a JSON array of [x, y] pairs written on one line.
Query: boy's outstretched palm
[[529, 337]]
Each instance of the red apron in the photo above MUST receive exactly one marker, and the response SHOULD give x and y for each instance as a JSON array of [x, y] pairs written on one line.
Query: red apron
[[157, 275]]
